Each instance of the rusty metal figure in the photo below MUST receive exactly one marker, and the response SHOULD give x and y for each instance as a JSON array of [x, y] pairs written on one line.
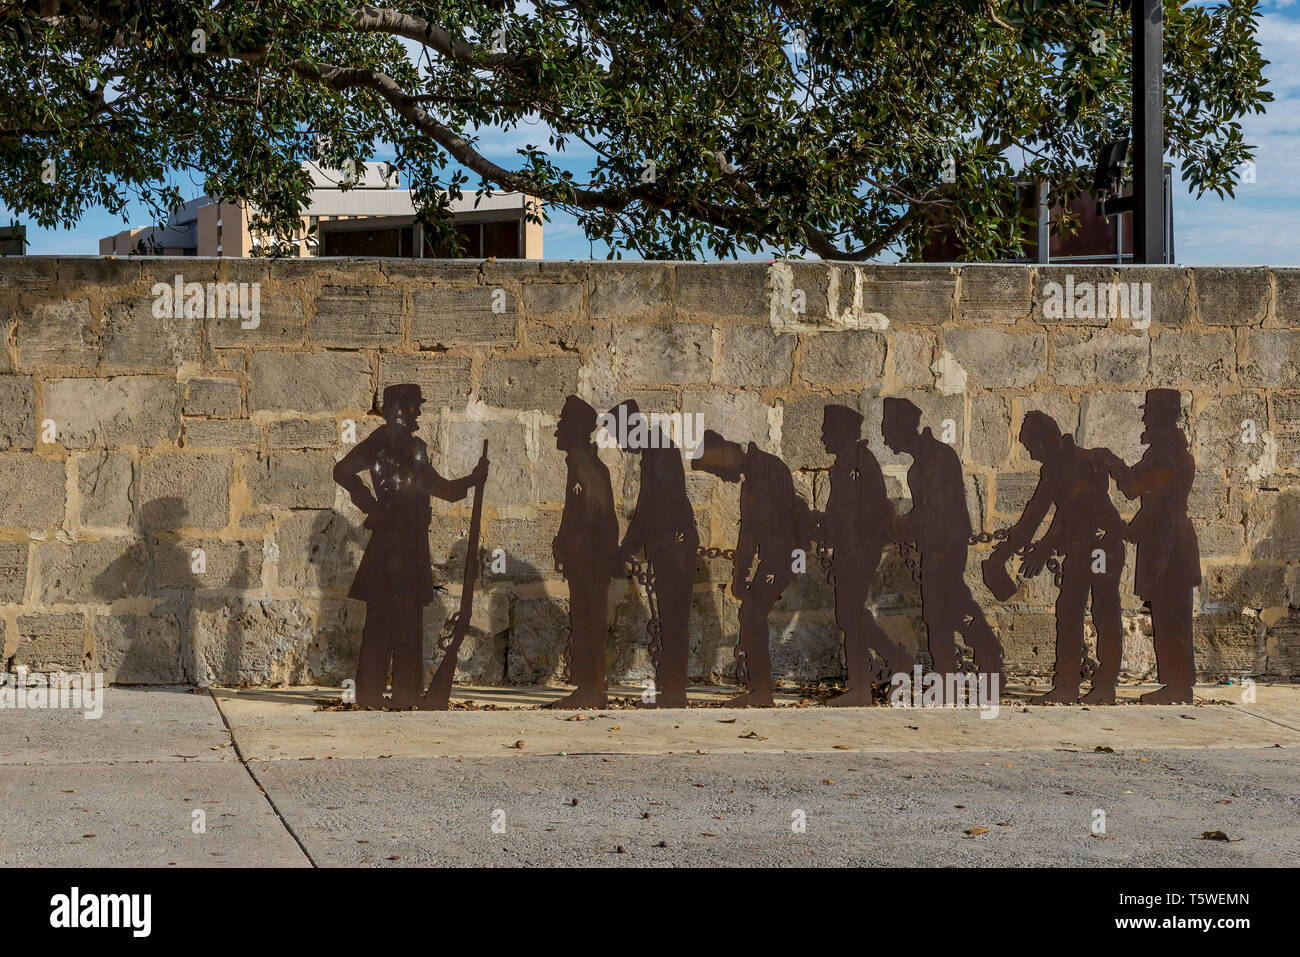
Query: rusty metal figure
[[395, 578], [663, 526], [774, 523], [1168, 558], [938, 524], [1087, 530], [586, 553], [858, 523]]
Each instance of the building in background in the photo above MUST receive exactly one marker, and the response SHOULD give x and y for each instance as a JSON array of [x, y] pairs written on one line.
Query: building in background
[[374, 217]]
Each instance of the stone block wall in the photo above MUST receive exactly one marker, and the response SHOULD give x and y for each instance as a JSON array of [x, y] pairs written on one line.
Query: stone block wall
[[167, 512]]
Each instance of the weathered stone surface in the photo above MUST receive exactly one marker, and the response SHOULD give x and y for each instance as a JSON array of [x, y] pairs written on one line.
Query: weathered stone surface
[[281, 321], [13, 572], [943, 415], [801, 429], [221, 434], [627, 290], [1287, 302], [736, 416], [723, 289], [1112, 420], [756, 356], [197, 563], [525, 547], [843, 357], [1245, 586], [1192, 358], [309, 382], [185, 490], [1231, 296], [57, 334], [261, 640], [137, 340], [924, 295], [541, 382], [34, 491], [319, 551], [990, 425], [292, 479], [138, 649], [104, 481], [547, 300], [509, 480], [912, 355], [17, 412], [302, 434], [1271, 520], [538, 634], [121, 411], [49, 643], [443, 379], [453, 315], [996, 360], [98, 572], [679, 355], [352, 316], [1087, 358], [1219, 430], [995, 293], [1272, 358], [1067, 295], [215, 398]]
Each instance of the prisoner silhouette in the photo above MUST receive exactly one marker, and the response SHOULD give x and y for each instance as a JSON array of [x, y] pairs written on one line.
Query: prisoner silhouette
[[1088, 531], [858, 523], [663, 526], [774, 521], [395, 577], [1168, 558], [586, 553], [939, 526]]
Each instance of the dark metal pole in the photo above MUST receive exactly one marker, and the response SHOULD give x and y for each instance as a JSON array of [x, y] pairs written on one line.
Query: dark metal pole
[[1149, 237]]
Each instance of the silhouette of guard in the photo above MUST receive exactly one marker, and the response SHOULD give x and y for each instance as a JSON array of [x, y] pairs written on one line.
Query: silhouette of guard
[[395, 577], [1168, 558], [939, 525], [664, 526], [1088, 531], [586, 553], [774, 521], [858, 523]]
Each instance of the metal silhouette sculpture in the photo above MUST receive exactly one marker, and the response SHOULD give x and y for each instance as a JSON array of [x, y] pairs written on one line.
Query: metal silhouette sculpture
[[1087, 531], [774, 523], [395, 577], [938, 527], [1168, 558], [852, 533], [663, 527], [586, 553]]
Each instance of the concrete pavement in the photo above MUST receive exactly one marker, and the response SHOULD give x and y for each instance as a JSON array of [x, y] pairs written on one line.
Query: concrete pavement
[[809, 785]]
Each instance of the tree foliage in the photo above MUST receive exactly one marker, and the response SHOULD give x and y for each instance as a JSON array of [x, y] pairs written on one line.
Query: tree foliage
[[668, 127]]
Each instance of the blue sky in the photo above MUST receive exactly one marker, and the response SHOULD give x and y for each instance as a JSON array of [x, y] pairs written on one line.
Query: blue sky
[[1255, 227]]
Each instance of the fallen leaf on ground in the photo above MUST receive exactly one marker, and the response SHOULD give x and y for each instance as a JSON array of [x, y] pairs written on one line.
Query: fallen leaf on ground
[[977, 830]]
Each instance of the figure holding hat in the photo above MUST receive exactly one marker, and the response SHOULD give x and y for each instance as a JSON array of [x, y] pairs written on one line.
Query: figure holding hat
[[939, 526], [1168, 559], [586, 553], [774, 521], [663, 524], [858, 523], [395, 578]]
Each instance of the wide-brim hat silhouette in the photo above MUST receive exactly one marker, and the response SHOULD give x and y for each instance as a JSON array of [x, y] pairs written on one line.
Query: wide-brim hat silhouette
[[579, 413], [1163, 405], [403, 395]]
